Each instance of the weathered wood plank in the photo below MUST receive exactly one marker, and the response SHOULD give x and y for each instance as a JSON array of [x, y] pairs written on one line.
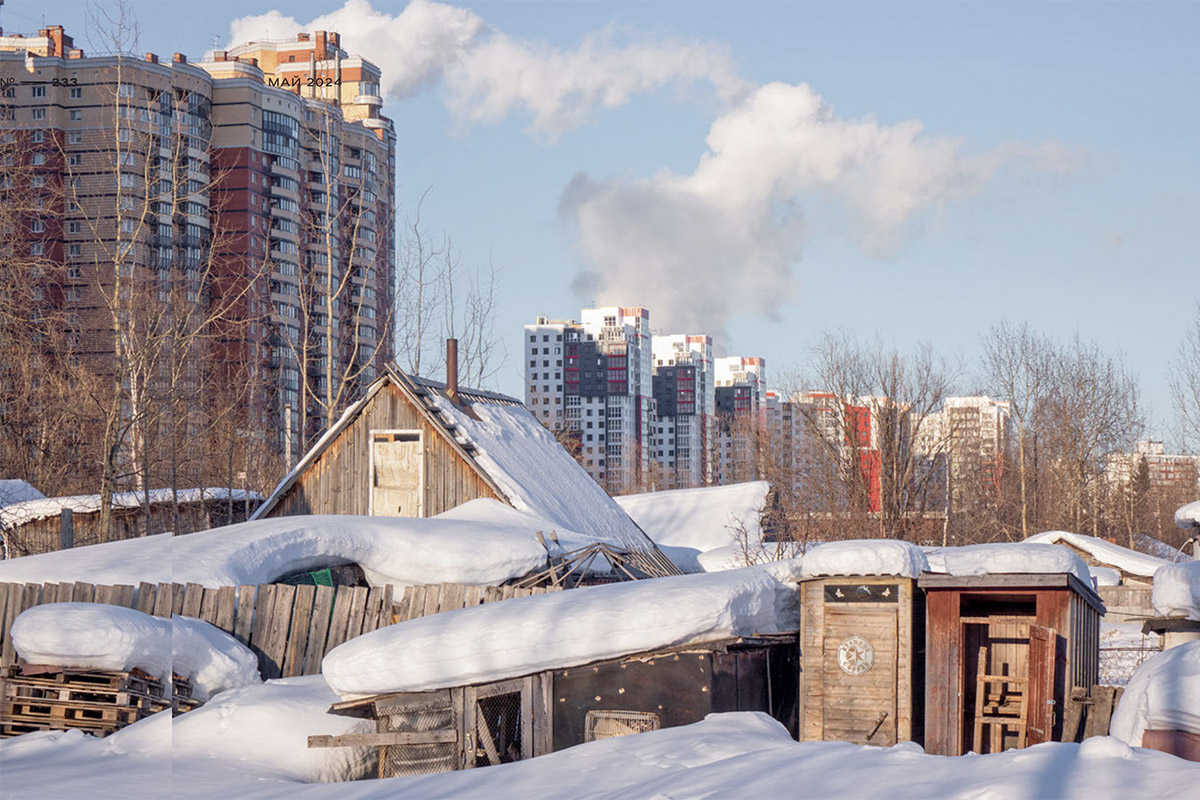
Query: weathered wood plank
[[146, 592], [84, 592], [341, 615], [371, 614], [243, 625], [193, 597], [123, 595], [318, 629], [302, 609], [358, 603], [226, 612], [383, 739], [433, 600], [208, 606], [177, 596], [277, 630]]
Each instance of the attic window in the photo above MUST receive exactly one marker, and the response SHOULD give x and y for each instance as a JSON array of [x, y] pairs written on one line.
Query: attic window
[[403, 436]]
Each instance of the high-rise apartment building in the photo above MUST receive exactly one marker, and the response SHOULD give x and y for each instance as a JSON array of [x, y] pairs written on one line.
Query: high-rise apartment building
[[257, 185], [968, 437], [1164, 470], [590, 381], [685, 403], [740, 406]]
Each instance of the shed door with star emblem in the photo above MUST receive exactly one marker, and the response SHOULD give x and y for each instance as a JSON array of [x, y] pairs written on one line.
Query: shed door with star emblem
[[859, 664]]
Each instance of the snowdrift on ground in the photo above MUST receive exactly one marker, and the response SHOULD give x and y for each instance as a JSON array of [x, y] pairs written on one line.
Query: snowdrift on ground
[[266, 726], [865, 557], [704, 518], [104, 637], [483, 542], [1163, 694], [1176, 591], [1114, 555], [528, 634]]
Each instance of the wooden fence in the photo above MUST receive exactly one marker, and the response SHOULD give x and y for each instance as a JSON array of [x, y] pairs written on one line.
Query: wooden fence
[[290, 628]]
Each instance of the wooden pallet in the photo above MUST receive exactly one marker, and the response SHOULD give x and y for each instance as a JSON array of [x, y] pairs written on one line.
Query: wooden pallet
[[100, 702]]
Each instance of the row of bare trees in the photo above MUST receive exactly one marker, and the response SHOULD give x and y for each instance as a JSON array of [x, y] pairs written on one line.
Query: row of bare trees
[[878, 451]]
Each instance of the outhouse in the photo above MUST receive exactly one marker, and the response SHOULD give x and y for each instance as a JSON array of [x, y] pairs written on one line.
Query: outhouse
[[862, 659], [1003, 653]]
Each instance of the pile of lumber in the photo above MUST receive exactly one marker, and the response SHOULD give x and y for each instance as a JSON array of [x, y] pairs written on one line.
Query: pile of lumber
[[41, 698]]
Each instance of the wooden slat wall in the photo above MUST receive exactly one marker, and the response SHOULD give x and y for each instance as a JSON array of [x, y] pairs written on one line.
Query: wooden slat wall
[[290, 628], [338, 481]]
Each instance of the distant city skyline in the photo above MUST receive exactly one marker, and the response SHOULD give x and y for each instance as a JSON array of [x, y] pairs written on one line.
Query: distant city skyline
[[920, 171]]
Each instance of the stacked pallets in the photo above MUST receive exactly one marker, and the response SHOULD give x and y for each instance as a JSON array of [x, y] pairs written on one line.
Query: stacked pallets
[[99, 702]]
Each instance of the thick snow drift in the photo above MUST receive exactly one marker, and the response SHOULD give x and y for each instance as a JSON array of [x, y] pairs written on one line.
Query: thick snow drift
[[483, 542], [704, 518], [266, 727], [1002, 559], [93, 636], [97, 636], [1113, 555], [1164, 694], [1176, 591], [212, 659], [865, 557], [563, 629]]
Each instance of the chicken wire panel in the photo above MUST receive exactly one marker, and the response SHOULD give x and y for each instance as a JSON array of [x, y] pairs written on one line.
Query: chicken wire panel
[[418, 759], [609, 724], [498, 729]]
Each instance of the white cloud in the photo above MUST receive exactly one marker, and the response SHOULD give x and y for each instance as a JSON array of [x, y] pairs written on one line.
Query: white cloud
[[723, 240], [487, 74]]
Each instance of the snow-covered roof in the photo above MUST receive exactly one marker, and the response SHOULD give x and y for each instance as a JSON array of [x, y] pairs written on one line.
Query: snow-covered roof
[[483, 542], [1188, 516], [1114, 555], [44, 507], [703, 518], [864, 557], [1176, 591], [1022, 558], [13, 490], [562, 629], [515, 455]]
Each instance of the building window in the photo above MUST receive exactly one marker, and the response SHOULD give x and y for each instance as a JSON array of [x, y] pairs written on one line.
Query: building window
[[76, 93], [76, 116], [39, 113], [75, 138], [37, 226], [37, 249], [74, 250], [38, 137], [39, 91], [39, 159]]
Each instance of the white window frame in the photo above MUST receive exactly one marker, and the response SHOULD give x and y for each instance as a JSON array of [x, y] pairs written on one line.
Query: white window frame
[[371, 466]]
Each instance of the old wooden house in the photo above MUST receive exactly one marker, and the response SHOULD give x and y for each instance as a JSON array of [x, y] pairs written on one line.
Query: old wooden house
[[531, 715], [418, 447], [863, 659], [1003, 654]]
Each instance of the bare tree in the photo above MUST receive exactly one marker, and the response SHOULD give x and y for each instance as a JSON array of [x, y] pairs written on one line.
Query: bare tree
[[1185, 384]]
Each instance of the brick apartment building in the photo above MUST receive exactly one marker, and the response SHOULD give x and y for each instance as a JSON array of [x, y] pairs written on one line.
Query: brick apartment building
[[260, 180]]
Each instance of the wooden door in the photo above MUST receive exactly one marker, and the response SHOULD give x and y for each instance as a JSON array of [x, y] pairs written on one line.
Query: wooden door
[[397, 474], [420, 732], [1042, 645], [497, 722], [859, 667]]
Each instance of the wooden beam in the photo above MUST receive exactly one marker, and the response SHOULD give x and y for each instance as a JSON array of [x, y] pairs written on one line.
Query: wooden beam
[[382, 739]]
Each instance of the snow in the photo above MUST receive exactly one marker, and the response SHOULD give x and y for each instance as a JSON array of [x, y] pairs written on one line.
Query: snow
[[537, 475], [725, 755], [93, 636], [265, 727], [1123, 647], [210, 658], [1188, 516], [1164, 694], [483, 542], [13, 490], [704, 518], [1105, 576], [97, 636], [563, 629], [1007, 558], [865, 557], [1176, 591], [43, 507], [1113, 555]]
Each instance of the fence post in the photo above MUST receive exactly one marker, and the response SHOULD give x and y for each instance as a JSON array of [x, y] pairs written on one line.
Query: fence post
[[67, 518]]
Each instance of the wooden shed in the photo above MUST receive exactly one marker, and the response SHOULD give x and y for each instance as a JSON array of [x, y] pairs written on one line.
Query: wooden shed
[[862, 659], [509, 720], [416, 447], [1004, 653]]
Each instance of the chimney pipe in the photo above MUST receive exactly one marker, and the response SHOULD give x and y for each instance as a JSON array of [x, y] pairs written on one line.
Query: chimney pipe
[[452, 369]]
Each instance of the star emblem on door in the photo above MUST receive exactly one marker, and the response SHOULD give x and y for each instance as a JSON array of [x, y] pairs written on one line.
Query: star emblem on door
[[856, 656]]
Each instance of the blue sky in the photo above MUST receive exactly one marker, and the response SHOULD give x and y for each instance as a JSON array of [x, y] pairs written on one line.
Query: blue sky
[[1072, 127]]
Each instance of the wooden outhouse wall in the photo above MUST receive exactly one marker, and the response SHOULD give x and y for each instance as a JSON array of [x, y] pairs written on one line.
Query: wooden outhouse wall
[[1075, 620], [339, 480], [884, 704]]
